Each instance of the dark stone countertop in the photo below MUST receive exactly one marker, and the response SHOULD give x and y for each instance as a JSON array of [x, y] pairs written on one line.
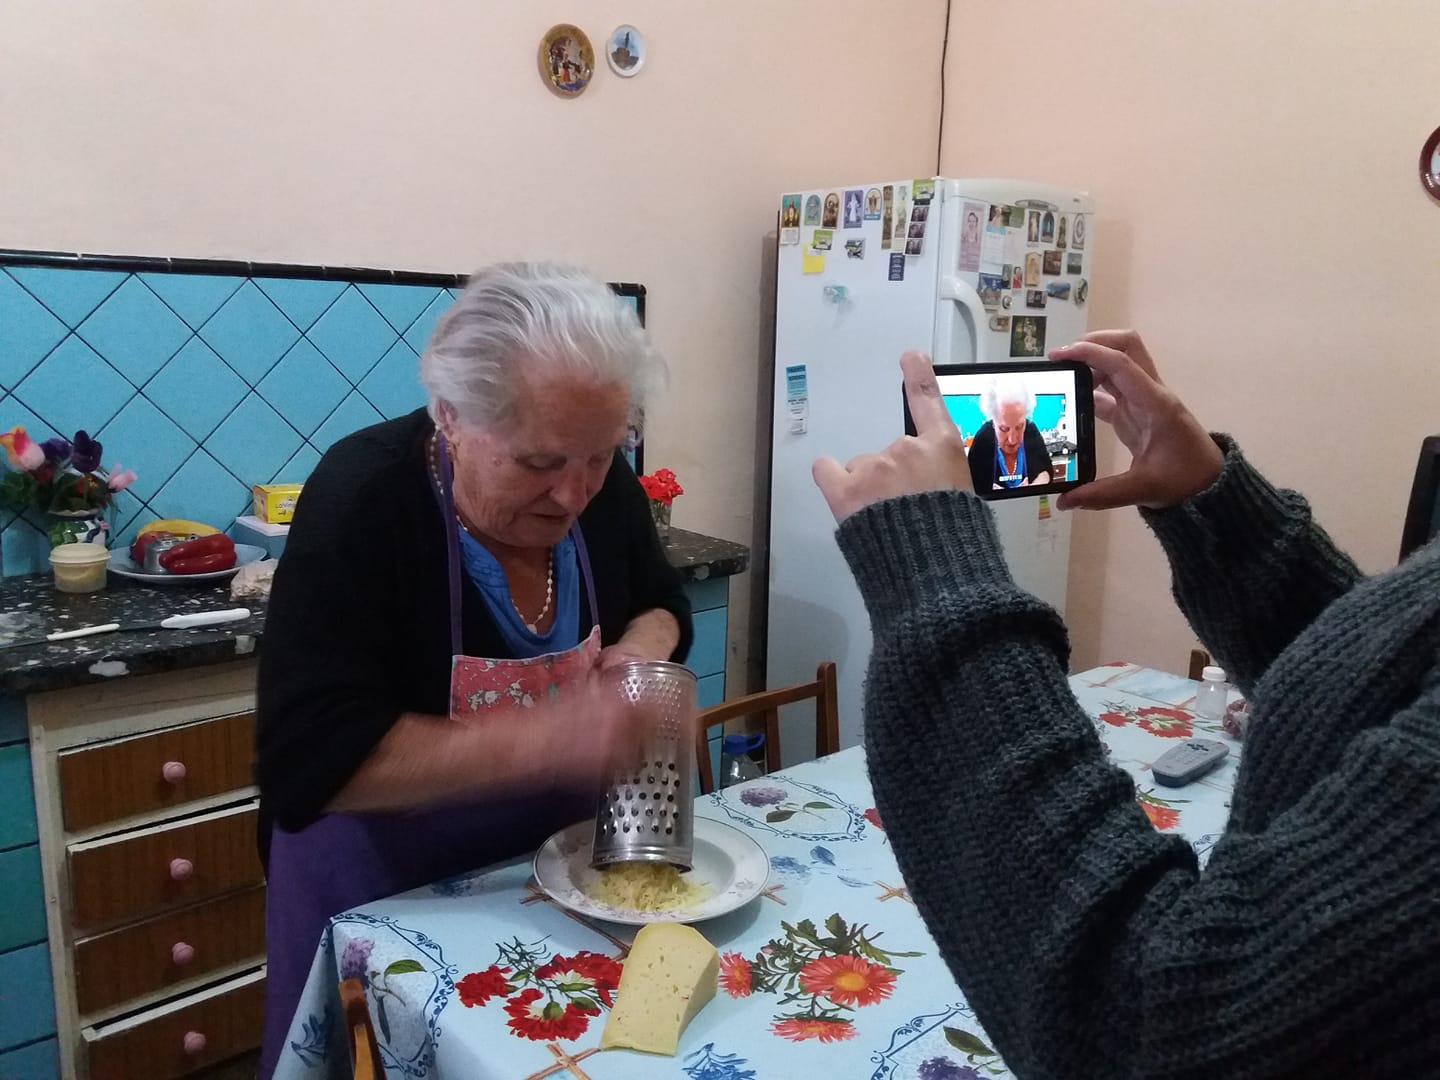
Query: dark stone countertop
[[33, 602], [700, 557]]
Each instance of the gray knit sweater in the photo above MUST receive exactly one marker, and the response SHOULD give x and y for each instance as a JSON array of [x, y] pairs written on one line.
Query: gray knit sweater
[[1090, 945]]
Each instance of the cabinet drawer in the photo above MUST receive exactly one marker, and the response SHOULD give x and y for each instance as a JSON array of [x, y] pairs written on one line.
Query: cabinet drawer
[[120, 779], [173, 948], [134, 875], [181, 1037]]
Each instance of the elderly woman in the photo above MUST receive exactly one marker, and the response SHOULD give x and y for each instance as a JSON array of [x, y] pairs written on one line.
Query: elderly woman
[[453, 584], [1008, 450]]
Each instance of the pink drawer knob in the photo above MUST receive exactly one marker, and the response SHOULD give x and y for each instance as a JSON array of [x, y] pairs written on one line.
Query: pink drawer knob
[[173, 771], [194, 1043], [180, 869], [182, 953]]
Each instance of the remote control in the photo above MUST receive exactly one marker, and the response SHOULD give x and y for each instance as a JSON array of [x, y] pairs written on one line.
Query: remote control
[[1189, 761]]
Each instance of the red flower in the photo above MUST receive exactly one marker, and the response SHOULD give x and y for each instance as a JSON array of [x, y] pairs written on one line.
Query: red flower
[[661, 486], [533, 1017], [480, 986], [873, 817], [1161, 816], [1166, 723], [847, 980], [1115, 719], [584, 972], [800, 1028], [735, 974]]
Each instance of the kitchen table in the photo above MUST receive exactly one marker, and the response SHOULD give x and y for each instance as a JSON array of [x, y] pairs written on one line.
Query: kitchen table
[[482, 976]]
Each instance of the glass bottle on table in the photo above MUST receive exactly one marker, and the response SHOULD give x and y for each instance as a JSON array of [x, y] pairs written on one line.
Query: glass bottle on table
[[736, 761]]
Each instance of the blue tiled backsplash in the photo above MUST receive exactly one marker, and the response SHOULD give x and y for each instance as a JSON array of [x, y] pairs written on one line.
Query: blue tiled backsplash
[[203, 384]]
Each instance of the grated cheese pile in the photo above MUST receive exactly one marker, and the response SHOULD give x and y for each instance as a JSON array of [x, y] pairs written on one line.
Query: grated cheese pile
[[645, 886]]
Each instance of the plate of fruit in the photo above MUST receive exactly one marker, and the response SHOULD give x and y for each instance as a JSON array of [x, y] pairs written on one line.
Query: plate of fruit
[[172, 551]]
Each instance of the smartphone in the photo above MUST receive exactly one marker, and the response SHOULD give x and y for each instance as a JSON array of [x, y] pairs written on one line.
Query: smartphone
[[1029, 428]]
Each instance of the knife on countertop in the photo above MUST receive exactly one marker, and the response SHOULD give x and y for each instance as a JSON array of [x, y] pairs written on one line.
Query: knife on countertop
[[174, 622]]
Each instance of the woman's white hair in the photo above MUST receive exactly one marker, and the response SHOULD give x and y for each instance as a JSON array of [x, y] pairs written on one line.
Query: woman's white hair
[[1007, 389], [534, 317]]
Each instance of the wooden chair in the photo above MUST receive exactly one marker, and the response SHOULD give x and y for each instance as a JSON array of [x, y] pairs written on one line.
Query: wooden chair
[[767, 704], [1199, 661], [364, 1050]]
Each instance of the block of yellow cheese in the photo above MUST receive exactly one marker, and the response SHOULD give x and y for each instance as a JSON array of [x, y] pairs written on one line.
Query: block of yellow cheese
[[669, 976]]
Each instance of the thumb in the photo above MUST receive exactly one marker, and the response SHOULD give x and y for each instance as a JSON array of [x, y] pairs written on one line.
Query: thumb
[[1124, 489], [832, 480]]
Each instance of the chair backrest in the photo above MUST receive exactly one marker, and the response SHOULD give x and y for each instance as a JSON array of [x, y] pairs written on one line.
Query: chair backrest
[[767, 705], [1199, 661], [364, 1050], [1422, 514]]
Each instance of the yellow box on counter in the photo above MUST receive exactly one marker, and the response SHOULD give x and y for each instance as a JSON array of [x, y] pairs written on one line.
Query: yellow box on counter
[[275, 503]]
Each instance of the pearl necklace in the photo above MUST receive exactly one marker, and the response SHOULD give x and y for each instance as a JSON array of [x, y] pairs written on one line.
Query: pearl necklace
[[533, 627]]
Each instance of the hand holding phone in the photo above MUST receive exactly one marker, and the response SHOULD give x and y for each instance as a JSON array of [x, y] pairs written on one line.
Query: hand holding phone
[[930, 458], [1028, 428], [1173, 456]]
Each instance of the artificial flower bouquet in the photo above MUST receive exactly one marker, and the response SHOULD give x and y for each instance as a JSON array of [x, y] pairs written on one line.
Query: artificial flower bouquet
[[61, 477]]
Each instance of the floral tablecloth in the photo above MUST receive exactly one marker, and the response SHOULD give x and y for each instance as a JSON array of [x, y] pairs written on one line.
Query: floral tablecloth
[[830, 972]]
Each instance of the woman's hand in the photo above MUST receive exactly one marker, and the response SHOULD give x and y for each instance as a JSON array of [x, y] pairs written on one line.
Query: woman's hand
[[593, 732], [651, 635], [932, 459], [1172, 455]]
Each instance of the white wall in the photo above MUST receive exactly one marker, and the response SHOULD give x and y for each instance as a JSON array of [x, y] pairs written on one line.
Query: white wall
[[420, 136], [1261, 222]]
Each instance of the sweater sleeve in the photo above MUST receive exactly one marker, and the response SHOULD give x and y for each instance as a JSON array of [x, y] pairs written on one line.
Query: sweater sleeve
[[1250, 568], [326, 693], [1088, 943]]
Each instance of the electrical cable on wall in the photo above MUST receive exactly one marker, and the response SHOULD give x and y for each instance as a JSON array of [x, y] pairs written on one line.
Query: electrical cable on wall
[[944, 52]]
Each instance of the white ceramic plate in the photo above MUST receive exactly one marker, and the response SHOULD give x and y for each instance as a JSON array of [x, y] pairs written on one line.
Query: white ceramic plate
[[732, 864], [122, 564]]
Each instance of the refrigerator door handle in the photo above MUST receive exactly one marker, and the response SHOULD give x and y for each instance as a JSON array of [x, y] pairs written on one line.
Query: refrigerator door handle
[[959, 293]]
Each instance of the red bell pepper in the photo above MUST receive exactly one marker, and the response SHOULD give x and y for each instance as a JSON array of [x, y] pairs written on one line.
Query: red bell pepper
[[201, 556]]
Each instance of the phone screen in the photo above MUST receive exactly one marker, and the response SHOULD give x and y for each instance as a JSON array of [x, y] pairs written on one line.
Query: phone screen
[[1028, 428]]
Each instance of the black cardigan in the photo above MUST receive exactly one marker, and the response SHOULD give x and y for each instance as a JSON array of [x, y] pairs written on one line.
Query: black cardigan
[[358, 628], [982, 456]]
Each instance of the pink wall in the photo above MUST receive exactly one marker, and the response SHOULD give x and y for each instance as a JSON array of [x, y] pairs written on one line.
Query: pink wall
[[1260, 222]]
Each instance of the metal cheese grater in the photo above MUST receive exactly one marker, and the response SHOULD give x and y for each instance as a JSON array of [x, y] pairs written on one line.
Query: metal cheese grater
[[647, 813]]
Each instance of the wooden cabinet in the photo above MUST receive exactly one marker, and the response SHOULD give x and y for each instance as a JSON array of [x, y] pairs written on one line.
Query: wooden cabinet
[[155, 900]]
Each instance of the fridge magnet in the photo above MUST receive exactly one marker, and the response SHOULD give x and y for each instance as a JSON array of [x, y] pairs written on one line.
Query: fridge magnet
[[1052, 261], [790, 211], [797, 398], [1047, 228], [1027, 336], [822, 240], [1074, 262], [997, 217], [971, 215], [854, 214], [989, 286], [1006, 299], [1016, 215], [872, 204], [914, 245], [1077, 232], [1430, 165], [567, 60], [812, 210], [813, 261], [1064, 228], [923, 191], [854, 249], [887, 221], [789, 237], [920, 213], [1060, 290], [1035, 298], [1017, 278], [1032, 228], [1006, 273], [1000, 322], [917, 230], [992, 249], [625, 52], [1082, 291], [1032, 268], [831, 218], [897, 267]]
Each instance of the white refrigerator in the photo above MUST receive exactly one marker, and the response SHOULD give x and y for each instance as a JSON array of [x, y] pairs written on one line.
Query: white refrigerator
[[965, 270]]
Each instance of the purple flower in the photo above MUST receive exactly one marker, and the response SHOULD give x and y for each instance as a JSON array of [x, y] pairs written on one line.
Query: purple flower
[[356, 958], [762, 796], [938, 1068], [788, 864], [85, 453], [57, 450]]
